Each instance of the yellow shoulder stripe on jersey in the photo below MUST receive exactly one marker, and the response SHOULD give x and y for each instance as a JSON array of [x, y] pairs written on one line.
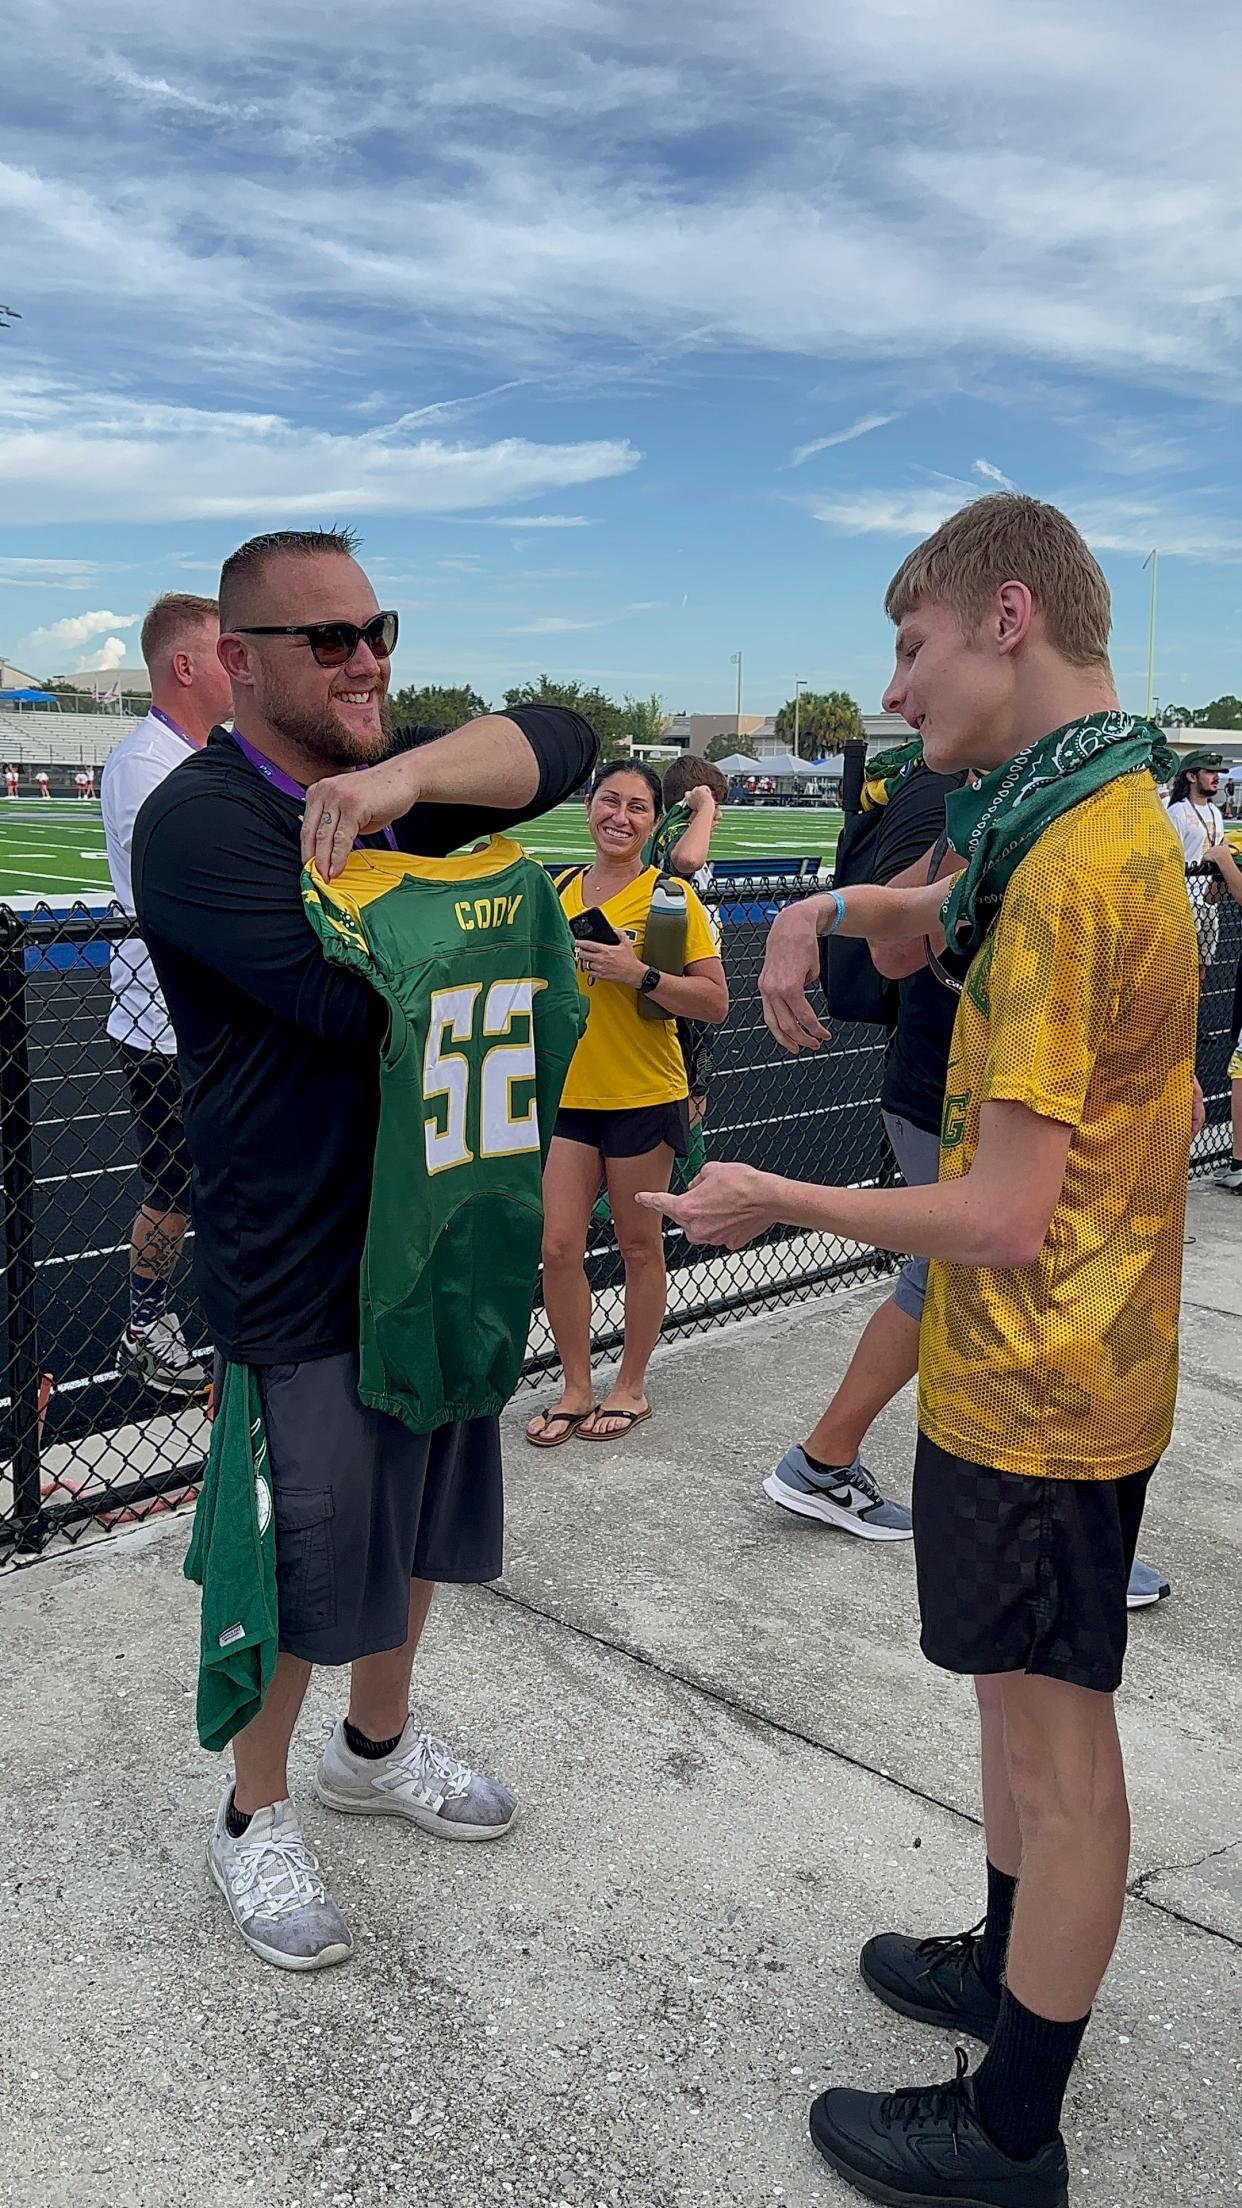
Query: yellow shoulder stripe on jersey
[[367, 875]]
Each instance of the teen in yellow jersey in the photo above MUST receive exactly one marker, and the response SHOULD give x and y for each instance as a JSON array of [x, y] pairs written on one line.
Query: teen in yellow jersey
[[624, 1114], [1048, 1355]]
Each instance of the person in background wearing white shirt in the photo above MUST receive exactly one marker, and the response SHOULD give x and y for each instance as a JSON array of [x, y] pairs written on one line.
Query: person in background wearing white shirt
[[79, 783], [44, 785], [10, 781], [1197, 819], [190, 694]]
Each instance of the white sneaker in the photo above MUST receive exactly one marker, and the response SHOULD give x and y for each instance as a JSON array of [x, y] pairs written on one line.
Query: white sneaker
[[422, 1779], [275, 1891], [1230, 1178], [160, 1356]]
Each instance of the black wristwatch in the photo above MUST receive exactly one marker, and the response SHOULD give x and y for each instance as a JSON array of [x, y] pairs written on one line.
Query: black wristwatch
[[651, 980]]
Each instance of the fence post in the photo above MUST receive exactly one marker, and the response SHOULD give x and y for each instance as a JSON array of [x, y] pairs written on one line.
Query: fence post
[[22, 1374]]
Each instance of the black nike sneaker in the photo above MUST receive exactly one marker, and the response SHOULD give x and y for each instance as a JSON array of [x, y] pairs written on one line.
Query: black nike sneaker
[[935, 1981], [927, 2144]]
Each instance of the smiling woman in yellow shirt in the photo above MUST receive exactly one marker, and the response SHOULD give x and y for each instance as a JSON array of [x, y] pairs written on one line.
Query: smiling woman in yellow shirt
[[623, 1115]]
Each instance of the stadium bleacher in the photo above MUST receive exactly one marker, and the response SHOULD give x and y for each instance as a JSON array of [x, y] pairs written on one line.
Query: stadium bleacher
[[70, 739]]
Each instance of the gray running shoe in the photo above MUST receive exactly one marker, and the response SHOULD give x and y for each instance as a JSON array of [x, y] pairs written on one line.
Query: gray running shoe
[[161, 1358], [847, 1497], [1146, 1586], [1230, 1178], [275, 1892], [422, 1779]]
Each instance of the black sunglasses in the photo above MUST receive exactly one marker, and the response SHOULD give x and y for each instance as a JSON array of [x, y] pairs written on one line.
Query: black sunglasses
[[334, 642]]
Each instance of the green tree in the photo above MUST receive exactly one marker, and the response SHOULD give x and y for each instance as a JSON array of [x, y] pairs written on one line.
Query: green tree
[[646, 719], [436, 705], [1223, 712], [1176, 716], [826, 720], [607, 718], [723, 747]]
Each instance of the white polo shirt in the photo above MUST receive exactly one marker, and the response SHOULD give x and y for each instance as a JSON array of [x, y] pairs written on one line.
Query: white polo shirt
[[132, 769]]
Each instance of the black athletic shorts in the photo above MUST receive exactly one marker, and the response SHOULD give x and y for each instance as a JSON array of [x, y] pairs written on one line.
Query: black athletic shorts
[[155, 1099], [629, 1134], [1021, 1573], [363, 1506]]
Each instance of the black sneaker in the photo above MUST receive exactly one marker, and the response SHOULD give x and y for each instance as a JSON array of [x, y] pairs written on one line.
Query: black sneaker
[[935, 1981], [928, 2144]]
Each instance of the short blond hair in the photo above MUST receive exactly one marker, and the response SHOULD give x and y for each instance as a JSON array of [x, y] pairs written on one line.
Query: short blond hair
[[169, 619], [1007, 538]]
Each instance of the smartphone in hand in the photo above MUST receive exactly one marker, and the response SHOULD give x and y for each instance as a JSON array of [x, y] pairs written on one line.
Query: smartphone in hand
[[590, 926]]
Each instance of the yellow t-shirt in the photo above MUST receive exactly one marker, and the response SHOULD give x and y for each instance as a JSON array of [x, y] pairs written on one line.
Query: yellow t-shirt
[[624, 1060], [1081, 1006]]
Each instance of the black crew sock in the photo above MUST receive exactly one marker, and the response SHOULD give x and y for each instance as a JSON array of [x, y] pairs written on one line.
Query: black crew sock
[[817, 1465], [990, 1953], [235, 1819], [358, 1744], [1020, 2084]]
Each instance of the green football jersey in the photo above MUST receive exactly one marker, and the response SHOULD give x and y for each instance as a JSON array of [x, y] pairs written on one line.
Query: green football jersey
[[232, 1557], [474, 959]]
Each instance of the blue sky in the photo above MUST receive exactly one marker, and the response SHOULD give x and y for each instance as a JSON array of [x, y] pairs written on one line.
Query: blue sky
[[628, 338]]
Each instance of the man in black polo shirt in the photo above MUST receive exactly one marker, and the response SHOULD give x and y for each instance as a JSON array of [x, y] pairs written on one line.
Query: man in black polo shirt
[[279, 1058], [824, 1477]]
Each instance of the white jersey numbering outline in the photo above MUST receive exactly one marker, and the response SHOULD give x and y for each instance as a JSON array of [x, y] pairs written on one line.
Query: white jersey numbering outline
[[446, 1073]]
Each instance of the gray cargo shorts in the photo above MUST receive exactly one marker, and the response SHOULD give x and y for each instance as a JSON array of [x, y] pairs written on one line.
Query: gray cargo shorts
[[918, 1155], [363, 1506]]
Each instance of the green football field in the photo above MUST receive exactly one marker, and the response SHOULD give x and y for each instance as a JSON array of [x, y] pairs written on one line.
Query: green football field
[[54, 848]]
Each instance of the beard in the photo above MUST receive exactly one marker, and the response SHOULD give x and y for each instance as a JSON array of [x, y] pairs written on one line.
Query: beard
[[317, 731]]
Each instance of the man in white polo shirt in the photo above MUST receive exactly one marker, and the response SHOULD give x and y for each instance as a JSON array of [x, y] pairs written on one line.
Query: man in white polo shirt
[[189, 694], [1196, 816]]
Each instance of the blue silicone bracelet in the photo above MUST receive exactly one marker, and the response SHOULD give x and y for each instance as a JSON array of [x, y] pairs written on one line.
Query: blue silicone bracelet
[[839, 902]]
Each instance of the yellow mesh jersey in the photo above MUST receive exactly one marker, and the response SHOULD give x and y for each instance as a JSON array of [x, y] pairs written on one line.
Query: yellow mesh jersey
[[624, 1061], [1081, 1006]]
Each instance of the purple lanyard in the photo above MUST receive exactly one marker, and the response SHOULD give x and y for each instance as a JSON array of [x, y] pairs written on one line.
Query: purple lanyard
[[169, 722], [285, 782]]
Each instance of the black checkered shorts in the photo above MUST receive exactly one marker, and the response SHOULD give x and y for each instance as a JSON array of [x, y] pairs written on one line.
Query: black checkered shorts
[[1021, 1573]]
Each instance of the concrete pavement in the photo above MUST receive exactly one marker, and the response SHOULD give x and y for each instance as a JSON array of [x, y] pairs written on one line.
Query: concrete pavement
[[735, 1766]]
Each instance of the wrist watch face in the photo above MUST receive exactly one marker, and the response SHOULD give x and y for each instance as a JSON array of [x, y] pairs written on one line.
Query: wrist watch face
[[651, 980]]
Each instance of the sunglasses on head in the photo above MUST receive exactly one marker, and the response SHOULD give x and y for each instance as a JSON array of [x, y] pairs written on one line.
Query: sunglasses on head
[[334, 642]]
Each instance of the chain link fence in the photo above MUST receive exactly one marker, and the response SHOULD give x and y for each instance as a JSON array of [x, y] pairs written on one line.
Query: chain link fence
[[88, 1158]]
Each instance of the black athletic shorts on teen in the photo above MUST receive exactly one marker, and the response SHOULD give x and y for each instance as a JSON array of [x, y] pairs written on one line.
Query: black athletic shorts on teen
[[629, 1134], [1020, 1573], [363, 1506], [154, 1085]]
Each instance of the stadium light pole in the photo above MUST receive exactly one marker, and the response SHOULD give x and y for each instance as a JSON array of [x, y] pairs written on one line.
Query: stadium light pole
[[735, 660], [799, 687], [1152, 561]]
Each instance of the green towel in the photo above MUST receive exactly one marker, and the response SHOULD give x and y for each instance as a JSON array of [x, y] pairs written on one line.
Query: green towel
[[232, 1557]]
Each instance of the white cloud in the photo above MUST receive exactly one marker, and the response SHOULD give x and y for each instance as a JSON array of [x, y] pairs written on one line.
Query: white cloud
[[1105, 242], [992, 474], [553, 624], [538, 521], [110, 654], [76, 629], [35, 574], [66, 454], [1108, 524], [861, 428]]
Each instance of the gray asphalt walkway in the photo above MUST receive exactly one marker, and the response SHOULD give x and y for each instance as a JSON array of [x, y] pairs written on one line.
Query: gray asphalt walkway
[[735, 1766]]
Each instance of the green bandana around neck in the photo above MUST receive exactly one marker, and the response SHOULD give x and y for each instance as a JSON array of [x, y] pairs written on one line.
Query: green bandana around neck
[[994, 826]]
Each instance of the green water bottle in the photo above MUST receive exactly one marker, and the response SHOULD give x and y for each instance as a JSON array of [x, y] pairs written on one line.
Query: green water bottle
[[664, 939]]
